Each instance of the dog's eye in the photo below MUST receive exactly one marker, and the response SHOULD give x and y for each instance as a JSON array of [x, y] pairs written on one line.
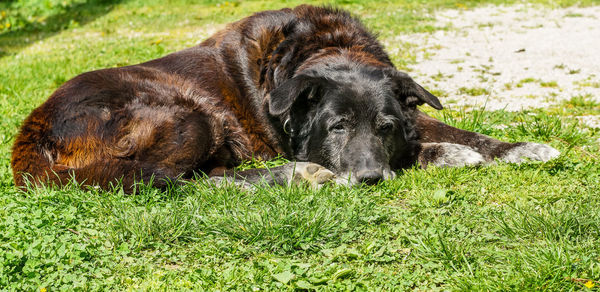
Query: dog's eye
[[339, 127]]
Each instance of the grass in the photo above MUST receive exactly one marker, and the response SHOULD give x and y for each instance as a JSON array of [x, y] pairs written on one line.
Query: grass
[[548, 84], [583, 102], [473, 91], [533, 226], [526, 80]]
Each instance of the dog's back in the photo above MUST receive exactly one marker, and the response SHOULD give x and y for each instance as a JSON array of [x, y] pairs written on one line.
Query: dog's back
[[133, 123]]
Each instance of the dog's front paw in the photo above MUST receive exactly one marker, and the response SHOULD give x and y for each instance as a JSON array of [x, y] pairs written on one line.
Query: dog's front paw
[[312, 173], [532, 151]]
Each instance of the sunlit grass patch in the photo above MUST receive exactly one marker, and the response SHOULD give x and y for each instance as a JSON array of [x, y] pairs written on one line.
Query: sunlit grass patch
[[583, 102], [270, 219]]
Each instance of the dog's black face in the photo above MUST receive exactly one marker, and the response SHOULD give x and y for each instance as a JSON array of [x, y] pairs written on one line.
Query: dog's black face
[[354, 120]]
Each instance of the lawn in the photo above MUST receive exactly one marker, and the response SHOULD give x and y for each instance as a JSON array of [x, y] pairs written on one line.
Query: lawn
[[534, 226]]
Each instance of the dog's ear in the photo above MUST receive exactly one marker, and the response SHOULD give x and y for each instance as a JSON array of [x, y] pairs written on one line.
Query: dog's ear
[[299, 87], [411, 93]]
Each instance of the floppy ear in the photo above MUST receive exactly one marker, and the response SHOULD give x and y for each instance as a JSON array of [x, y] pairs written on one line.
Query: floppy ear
[[413, 94], [302, 86]]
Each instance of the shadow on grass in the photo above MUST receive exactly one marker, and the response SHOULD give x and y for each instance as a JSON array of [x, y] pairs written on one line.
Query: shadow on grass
[[14, 40]]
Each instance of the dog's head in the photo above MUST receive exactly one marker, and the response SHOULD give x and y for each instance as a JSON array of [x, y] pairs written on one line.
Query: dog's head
[[356, 120]]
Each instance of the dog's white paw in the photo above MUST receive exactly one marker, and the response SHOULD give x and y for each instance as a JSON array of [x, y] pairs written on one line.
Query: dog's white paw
[[312, 173], [456, 155], [532, 151]]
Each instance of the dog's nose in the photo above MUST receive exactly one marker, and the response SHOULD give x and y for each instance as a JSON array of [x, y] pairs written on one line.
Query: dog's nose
[[370, 177]]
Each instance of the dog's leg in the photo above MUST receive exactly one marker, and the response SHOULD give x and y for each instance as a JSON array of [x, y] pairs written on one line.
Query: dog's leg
[[292, 172], [445, 145], [447, 155]]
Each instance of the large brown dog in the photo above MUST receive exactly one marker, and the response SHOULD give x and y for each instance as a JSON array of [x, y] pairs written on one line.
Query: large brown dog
[[310, 83]]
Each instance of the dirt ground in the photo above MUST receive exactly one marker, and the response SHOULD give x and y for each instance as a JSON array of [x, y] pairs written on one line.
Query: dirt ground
[[512, 58]]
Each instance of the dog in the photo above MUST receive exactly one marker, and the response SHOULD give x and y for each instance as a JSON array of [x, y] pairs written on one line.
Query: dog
[[309, 83]]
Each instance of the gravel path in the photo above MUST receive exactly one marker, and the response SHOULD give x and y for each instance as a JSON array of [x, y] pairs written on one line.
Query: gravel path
[[511, 57]]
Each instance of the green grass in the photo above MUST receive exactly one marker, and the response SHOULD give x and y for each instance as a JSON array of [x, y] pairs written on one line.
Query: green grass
[[548, 84], [534, 226], [526, 80], [473, 91]]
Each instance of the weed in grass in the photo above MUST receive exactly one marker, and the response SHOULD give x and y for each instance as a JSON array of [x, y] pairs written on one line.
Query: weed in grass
[[546, 127], [573, 15], [560, 66], [588, 82], [485, 25], [439, 93], [524, 81], [548, 84], [440, 76], [582, 101], [579, 105], [473, 91], [476, 120]]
